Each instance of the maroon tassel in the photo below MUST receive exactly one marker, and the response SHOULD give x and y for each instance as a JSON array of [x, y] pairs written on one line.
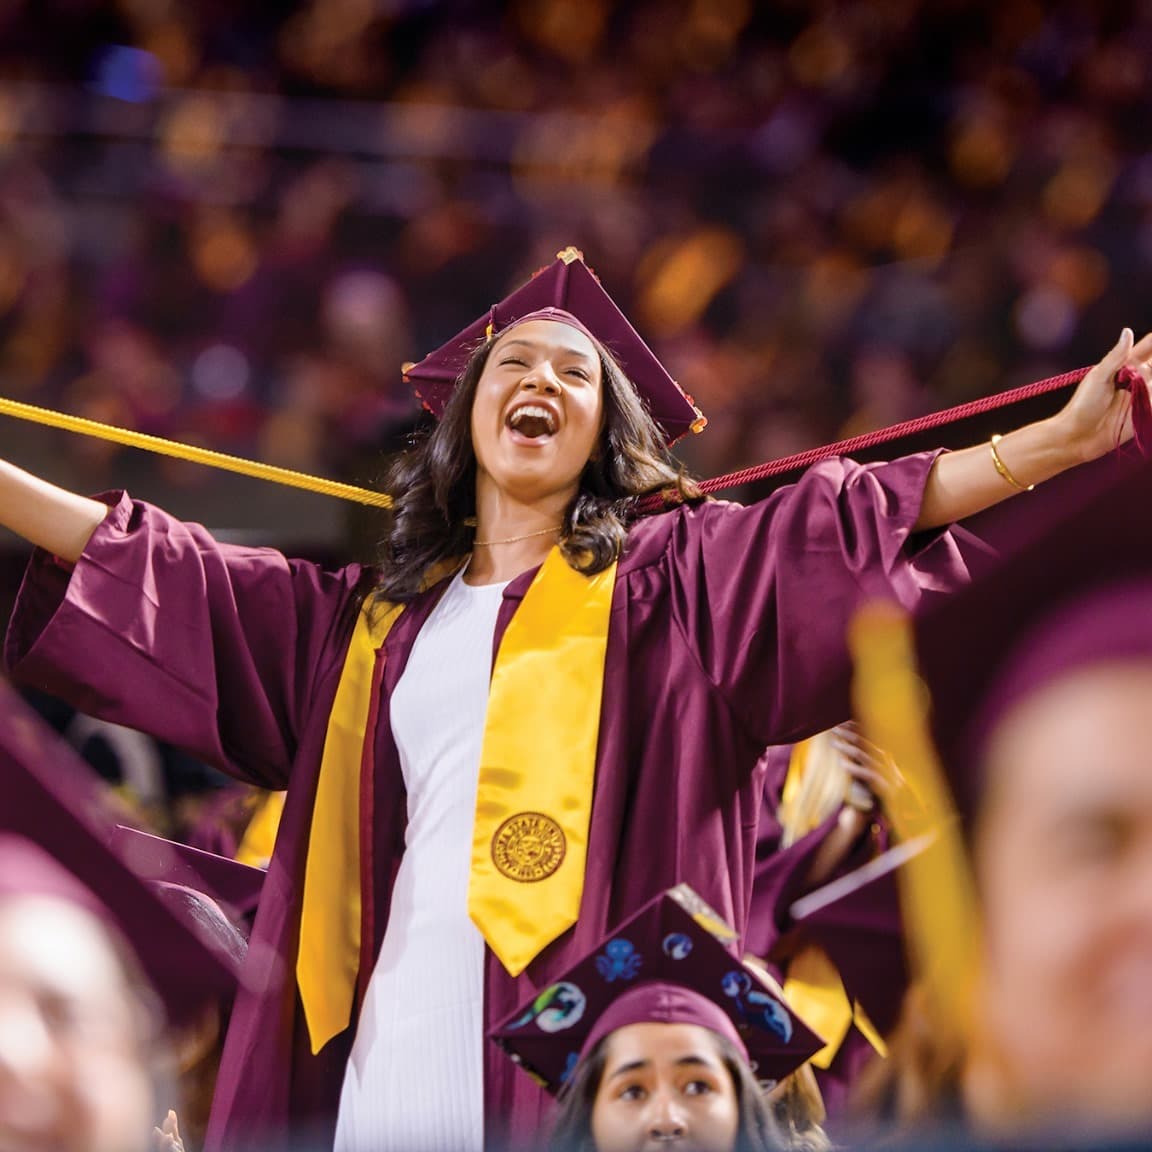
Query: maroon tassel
[[1130, 379], [1126, 377]]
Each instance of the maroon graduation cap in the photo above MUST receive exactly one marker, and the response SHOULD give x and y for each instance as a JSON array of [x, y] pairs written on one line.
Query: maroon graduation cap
[[565, 286], [27, 870], [52, 800], [234, 886], [675, 942]]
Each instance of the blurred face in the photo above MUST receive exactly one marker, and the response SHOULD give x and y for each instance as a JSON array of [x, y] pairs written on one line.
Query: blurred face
[[73, 1072], [664, 1084], [538, 411], [1064, 862]]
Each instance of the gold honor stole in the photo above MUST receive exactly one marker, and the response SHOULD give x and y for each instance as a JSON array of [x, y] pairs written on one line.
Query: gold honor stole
[[533, 801]]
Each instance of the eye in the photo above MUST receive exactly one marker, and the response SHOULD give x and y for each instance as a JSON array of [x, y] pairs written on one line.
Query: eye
[[698, 1088], [631, 1092], [580, 374], [66, 1018], [513, 360], [59, 1011], [1096, 840]]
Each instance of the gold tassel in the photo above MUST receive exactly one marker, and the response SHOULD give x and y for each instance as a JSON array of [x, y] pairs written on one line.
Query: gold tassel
[[937, 890]]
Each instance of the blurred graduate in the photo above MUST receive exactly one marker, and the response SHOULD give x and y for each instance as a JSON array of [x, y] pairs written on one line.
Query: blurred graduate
[[1029, 913]]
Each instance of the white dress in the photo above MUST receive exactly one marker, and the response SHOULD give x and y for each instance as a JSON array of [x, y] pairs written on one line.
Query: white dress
[[415, 1077]]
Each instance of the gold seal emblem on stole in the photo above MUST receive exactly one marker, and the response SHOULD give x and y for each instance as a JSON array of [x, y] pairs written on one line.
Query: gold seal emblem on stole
[[528, 847]]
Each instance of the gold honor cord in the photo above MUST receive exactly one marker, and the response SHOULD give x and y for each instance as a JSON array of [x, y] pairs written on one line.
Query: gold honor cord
[[196, 455]]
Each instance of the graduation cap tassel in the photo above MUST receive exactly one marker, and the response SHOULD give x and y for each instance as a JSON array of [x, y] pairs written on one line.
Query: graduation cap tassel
[[786, 465], [1141, 408], [192, 453], [937, 890]]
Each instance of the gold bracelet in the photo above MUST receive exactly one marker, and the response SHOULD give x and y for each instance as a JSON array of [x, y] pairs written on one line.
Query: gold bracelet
[[1002, 468]]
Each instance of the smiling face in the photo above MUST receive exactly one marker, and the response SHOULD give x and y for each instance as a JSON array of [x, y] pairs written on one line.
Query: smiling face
[[537, 413], [664, 1084], [1064, 860]]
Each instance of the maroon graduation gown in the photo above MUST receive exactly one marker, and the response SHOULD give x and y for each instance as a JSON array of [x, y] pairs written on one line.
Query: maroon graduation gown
[[726, 623]]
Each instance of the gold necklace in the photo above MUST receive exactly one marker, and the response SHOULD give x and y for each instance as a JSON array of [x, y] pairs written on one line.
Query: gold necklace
[[515, 539]]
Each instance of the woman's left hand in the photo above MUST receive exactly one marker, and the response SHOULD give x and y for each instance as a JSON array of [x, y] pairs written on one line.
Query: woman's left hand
[[1098, 417]]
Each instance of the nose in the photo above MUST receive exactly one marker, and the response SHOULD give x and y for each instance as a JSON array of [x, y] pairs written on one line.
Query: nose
[[541, 378], [666, 1120]]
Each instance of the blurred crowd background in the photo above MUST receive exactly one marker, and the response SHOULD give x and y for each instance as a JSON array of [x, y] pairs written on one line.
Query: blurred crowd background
[[231, 223]]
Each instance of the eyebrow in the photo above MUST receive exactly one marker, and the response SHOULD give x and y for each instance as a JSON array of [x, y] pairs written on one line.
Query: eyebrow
[[534, 344], [683, 1062]]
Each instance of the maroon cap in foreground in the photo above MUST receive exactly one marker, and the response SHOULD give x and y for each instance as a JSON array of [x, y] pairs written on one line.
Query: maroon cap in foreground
[[52, 799], [27, 870], [566, 288], [674, 941]]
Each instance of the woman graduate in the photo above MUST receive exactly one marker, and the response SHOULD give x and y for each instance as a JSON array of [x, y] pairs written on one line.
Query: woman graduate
[[458, 828]]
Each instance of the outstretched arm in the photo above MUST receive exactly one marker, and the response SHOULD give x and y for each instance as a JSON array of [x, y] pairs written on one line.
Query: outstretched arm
[[1094, 421], [50, 517]]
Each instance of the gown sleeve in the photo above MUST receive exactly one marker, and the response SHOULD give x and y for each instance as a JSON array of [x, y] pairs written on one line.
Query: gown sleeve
[[212, 647], [763, 594]]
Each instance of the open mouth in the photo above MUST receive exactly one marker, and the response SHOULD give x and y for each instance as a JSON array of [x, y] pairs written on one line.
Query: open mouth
[[532, 421]]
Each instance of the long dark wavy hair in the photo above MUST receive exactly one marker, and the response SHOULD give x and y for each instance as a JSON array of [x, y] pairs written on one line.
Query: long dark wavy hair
[[572, 1129], [433, 485]]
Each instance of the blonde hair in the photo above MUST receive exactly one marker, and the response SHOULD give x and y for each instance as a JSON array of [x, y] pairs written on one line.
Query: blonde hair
[[816, 787]]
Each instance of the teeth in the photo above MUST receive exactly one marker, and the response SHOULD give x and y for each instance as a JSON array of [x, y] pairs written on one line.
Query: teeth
[[533, 411]]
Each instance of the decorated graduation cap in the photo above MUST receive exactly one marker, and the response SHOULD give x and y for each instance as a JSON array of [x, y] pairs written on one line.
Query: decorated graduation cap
[[673, 962], [569, 292], [52, 800]]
